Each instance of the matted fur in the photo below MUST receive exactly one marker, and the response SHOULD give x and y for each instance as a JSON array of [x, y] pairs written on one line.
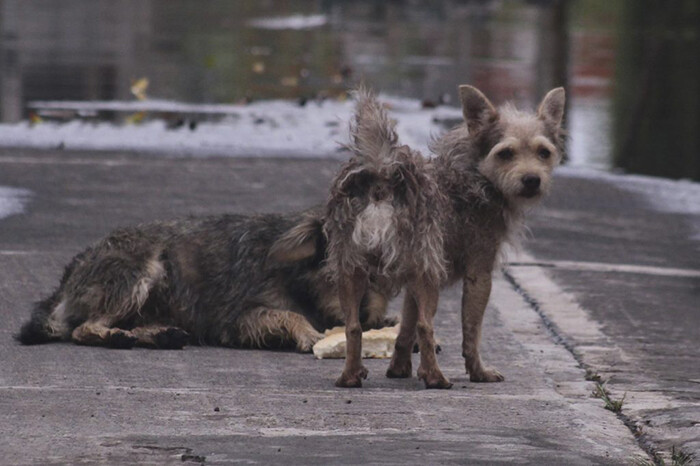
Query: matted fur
[[382, 212], [489, 170], [383, 226], [211, 278]]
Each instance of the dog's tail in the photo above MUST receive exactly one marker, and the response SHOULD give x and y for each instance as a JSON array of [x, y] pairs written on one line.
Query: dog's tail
[[303, 241], [39, 329], [372, 133]]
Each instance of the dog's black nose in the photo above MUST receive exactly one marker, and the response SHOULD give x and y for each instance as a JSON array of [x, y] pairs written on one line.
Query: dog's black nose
[[531, 181]]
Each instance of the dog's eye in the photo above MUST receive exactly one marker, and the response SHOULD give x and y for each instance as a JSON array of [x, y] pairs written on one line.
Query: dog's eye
[[505, 154], [544, 153]]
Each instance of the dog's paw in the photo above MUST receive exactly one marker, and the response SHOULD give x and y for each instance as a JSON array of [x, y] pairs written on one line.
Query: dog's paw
[[120, 339], [352, 379], [434, 379], [306, 342], [171, 338], [399, 369], [486, 375]]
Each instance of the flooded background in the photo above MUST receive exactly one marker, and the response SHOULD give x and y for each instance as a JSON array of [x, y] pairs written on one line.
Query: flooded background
[[630, 67]]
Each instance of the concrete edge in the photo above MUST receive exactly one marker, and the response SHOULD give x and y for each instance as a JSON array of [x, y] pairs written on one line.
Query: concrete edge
[[597, 354]]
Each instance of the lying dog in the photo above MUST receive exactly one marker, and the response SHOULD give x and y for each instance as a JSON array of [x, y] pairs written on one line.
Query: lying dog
[[228, 280]]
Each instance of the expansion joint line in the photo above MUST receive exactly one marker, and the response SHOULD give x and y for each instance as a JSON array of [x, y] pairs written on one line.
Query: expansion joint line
[[561, 339]]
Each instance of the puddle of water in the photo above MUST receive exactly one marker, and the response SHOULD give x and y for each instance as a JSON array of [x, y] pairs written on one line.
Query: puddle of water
[[232, 52]]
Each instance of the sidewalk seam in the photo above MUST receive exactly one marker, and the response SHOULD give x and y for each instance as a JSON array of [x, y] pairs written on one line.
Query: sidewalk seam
[[560, 339]]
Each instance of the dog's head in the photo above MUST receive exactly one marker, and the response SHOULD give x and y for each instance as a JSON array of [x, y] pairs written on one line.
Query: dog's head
[[517, 150]]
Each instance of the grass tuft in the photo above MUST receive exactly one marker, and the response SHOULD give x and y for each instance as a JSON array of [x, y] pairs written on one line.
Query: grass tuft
[[612, 405]]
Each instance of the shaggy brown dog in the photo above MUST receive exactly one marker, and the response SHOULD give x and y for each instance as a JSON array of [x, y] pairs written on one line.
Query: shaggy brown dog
[[383, 226], [232, 280]]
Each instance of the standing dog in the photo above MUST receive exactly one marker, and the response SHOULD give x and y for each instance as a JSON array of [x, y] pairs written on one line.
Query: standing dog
[[228, 280], [383, 226], [489, 170]]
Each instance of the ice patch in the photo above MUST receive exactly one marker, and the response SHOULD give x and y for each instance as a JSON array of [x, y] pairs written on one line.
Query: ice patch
[[274, 128], [296, 22], [12, 201]]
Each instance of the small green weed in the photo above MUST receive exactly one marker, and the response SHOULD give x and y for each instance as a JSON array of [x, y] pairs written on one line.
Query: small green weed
[[612, 405]]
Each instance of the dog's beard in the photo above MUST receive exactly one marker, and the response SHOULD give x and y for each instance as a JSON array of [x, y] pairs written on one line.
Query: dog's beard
[[374, 227]]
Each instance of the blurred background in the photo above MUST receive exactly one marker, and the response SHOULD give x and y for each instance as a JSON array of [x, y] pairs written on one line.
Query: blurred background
[[631, 67]]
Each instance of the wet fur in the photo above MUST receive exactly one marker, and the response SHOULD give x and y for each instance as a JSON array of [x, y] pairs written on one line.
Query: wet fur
[[383, 226], [488, 197], [230, 280]]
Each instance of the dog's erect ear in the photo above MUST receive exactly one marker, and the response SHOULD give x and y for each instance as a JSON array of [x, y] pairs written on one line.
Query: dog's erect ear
[[476, 107], [552, 106], [299, 243]]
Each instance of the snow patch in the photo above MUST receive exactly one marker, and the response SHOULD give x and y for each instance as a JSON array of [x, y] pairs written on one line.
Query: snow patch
[[660, 194], [12, 201], [296, 22], [274, 128]]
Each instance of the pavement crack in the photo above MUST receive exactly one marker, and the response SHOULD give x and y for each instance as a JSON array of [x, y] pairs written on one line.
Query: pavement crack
[[560, 339]]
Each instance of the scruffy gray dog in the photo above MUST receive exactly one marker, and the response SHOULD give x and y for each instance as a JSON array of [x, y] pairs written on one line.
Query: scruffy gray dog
[[489, 170], [383, 225], [229, 280]]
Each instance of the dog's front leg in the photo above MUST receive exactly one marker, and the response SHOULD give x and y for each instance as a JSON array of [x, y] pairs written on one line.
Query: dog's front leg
[[475, 296], [426, 297], [351, 288], [400, 366]]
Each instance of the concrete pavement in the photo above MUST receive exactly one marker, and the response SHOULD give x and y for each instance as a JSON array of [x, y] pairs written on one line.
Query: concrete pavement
[[618, 277], [63, 404]]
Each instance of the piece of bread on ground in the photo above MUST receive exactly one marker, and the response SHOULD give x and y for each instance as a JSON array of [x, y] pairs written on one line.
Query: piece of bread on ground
[[375, 343]]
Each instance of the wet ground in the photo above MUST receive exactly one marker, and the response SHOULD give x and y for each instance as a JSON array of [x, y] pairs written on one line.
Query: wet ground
[[64, 404], [600, 292]]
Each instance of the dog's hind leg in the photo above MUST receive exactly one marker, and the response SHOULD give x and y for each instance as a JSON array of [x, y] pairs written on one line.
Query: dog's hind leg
[[96, 333], [160, 337], [426, 297], [475, 297], [350, 290], [400, 366], [119, 287], [263, 327]]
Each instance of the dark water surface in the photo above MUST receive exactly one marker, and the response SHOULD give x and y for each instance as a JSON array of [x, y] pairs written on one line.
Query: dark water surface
[[630, 67]]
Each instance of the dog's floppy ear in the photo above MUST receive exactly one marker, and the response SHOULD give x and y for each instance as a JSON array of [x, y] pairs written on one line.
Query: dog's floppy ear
[[552, 106], [299, 243], [476, 107]]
